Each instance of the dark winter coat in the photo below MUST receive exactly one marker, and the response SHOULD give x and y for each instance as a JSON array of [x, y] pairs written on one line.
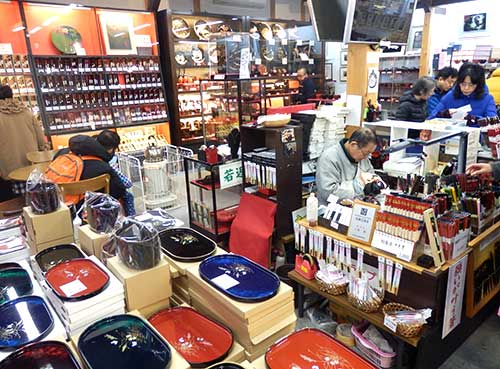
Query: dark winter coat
[[410, 109], [86, 145]]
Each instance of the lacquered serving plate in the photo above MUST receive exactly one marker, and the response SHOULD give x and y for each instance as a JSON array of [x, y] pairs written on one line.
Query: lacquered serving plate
[[186, 245], [226, 366], [77, 279], [239, 277], [199, 340], [14, 282], [312, 348], [41, 355], [123, 342], [9, 265], [24, 320], [55, 255]]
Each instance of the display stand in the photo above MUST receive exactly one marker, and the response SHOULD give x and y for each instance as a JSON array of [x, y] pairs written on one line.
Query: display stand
[[287, 166]]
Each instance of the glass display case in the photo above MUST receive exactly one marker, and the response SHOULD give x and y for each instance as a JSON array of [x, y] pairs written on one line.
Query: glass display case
[[213, 194]]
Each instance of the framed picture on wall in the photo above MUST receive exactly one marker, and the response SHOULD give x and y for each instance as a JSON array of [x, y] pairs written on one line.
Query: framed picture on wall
[[415, 39], [343, 57], [118, 33], [474, 22], [343, 74], [329, 71]]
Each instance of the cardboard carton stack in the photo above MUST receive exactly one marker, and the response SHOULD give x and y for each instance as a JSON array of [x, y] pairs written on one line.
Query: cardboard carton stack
[[77, 315], [92, 242], [180, 279], [255, 326], [146, 290], [46, 230]]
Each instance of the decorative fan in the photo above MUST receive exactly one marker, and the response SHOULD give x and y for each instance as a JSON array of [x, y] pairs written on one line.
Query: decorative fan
[[213, 55], [197, 55], [64, 39], [180, 28], [202, 30], [267, 53], [278, 31], [224, 28]]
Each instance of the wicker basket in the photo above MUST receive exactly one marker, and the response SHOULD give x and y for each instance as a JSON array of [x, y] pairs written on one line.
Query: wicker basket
[[331, 288], [405, 330], [366, 306]]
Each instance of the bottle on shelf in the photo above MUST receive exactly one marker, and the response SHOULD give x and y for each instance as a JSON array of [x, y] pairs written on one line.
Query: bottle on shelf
[[312, 210]]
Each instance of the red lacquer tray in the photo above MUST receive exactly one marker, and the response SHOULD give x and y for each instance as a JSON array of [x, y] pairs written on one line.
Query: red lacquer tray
[[312, 348], [77, 279], [199, 340]]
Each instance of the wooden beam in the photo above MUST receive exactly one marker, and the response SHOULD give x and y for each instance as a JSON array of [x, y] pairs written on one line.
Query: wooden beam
[[425, 67], [272, 4], [360, 57], [197, 6]]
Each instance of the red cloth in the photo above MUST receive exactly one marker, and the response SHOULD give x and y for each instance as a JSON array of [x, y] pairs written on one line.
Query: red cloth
[[252, 228]]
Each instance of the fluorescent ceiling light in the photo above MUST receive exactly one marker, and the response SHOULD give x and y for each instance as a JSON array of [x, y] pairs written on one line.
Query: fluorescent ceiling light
[[50, 20], [120, 34], [145, 25], [18, 28], [35, 30]]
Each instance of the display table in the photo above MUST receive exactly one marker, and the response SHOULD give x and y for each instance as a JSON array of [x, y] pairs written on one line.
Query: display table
[[22, 174]]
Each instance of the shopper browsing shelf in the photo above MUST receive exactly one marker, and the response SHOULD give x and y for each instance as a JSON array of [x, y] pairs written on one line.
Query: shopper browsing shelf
[[485, 168], [20, 133], [344, 168], [445, 79], [306, 87], [469, 90], [413, 103]]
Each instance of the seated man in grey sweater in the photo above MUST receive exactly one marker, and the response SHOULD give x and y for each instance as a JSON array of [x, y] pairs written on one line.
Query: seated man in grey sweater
[[344, 168]]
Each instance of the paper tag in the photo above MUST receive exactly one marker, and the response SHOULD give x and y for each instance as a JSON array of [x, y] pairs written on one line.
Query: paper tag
[[258, 61], [299, 42], [390, 323], [72, 288], [236, 38], [311, 61], [284, 42], [219, 77], [225, 281], [284, 61], [311, 42], [272, 41]]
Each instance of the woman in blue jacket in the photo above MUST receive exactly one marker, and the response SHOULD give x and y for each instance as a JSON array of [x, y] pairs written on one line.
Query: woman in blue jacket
[[470, 89]]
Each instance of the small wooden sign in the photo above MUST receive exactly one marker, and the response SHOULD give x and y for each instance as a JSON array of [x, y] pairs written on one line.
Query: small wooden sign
[[362, 222], [434, 239]]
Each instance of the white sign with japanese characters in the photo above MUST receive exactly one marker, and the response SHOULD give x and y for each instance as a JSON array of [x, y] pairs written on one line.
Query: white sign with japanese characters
[[231, 174], [454, 296]]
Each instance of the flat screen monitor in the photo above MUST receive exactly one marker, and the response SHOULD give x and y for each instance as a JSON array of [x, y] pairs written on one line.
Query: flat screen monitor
[[329, 18], [377, 20]]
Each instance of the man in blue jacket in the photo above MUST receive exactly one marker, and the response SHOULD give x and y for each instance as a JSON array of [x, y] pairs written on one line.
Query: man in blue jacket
[[445, 80]]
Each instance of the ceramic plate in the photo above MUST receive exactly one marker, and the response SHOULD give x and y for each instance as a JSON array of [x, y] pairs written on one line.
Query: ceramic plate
[[185, 244], [53, 256], [180, 28], [202, 30], [317, 350], [226, 366], [77, 279], [239, 277], [64, 39], [14, 282], [124, 342], [41, 355], [24, 320], [9, 266], [278, 31], [199, 340]]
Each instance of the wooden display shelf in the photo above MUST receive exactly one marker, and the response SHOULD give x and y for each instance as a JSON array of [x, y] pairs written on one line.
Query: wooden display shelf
[[377, 318]]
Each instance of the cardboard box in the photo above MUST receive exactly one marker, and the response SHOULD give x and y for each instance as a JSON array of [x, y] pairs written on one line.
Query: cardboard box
[[247, 312], [247, 365], [237, 353], [143, 287], [35, 248], [42, 230], [149, 310], [260, 362], [92, 242]]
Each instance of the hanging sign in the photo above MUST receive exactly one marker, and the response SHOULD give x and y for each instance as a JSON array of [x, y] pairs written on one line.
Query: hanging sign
[[231, 174]]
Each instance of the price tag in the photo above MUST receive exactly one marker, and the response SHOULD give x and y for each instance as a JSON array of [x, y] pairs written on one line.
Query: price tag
[[219, 77], [284, 61], [299, 42], [72, 288], [225, 281], [311, 42], [311, 61], [258, 61], [272, 42], [236, 38], [284, 42], [390, 323]]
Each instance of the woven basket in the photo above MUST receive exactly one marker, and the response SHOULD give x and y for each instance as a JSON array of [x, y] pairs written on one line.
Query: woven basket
[[331, 288], [405, 330], [366, 306]]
